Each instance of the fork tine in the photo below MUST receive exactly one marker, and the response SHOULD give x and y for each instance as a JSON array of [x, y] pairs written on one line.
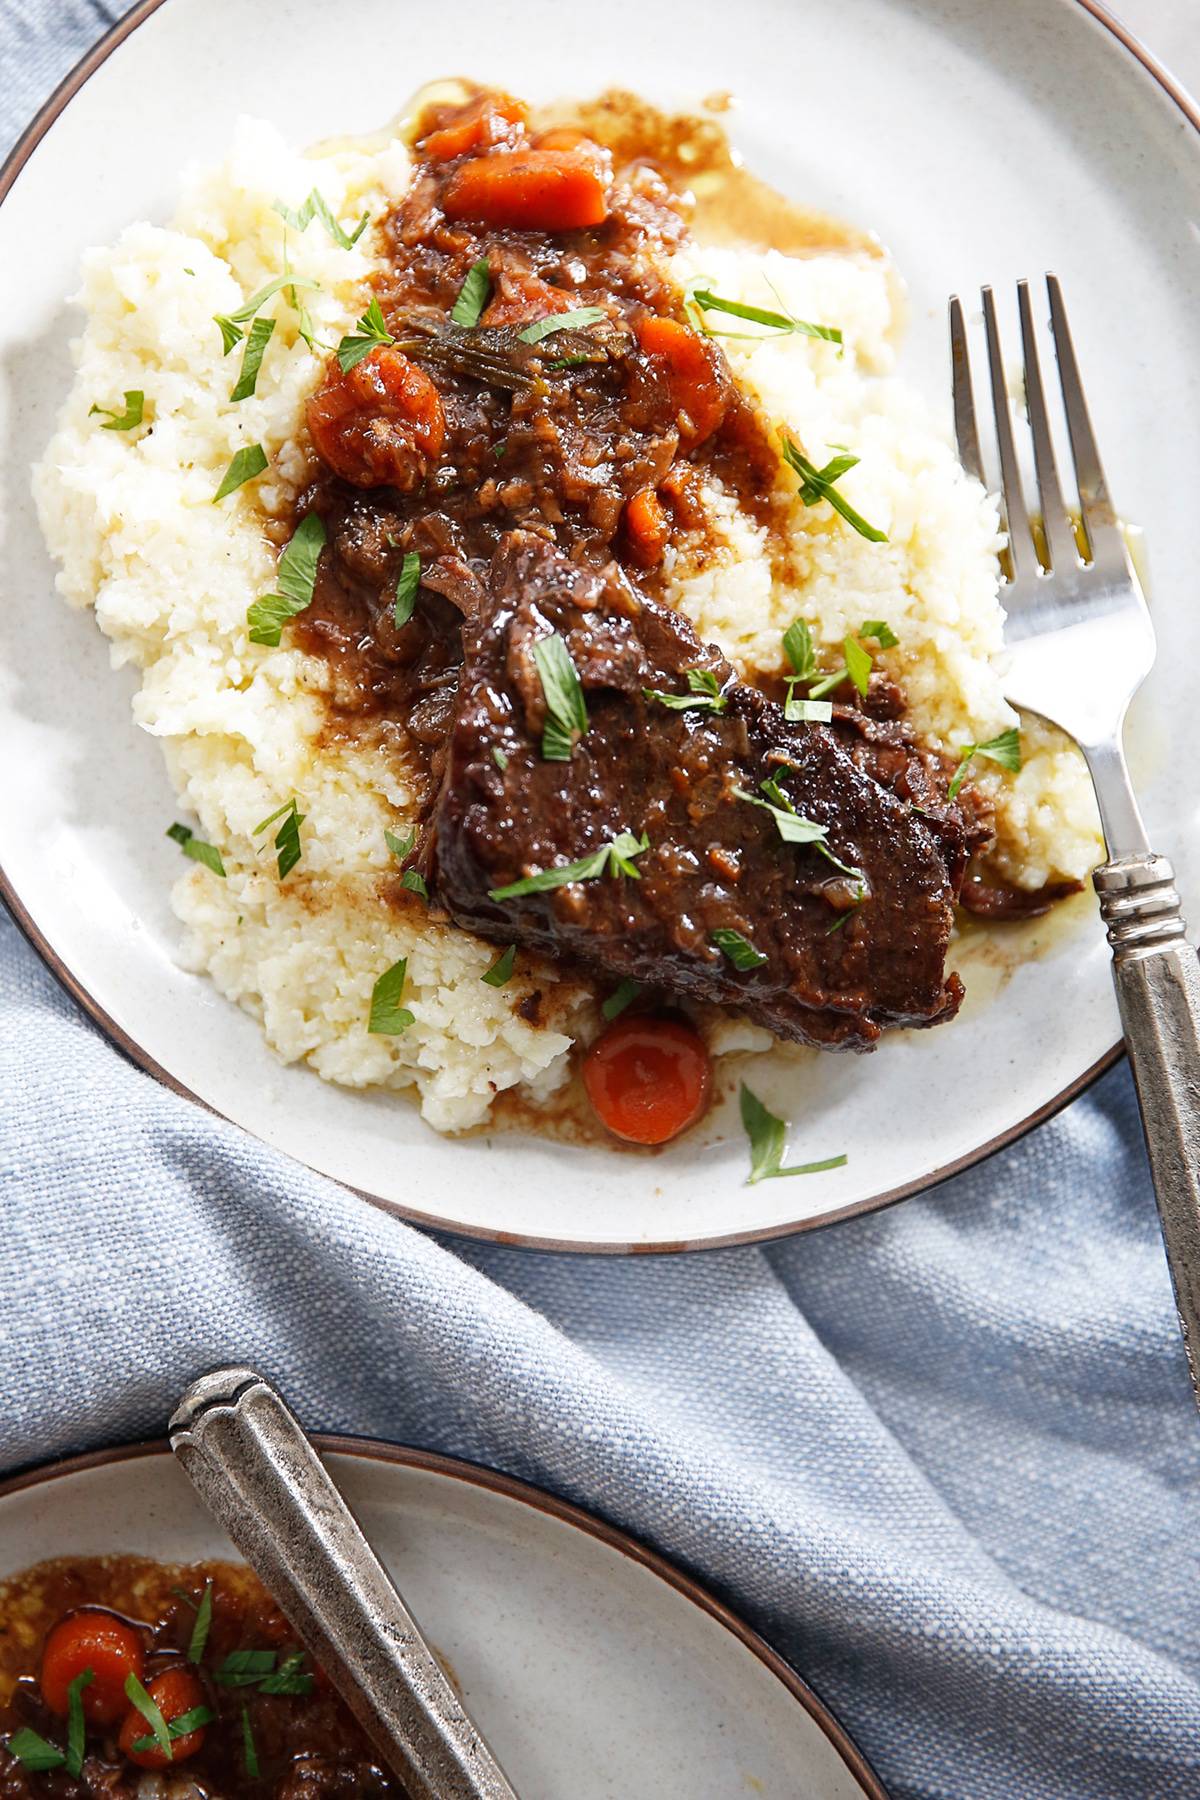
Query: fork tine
[[965, 428], [1099, 519], [1056, 525], [1021, 555]]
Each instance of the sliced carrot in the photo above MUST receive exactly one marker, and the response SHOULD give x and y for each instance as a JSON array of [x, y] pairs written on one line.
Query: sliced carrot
[[646, 528], [175, 1692], [648, 1078], [480, 123], [99, 1641], [379, 423], [529, 190], [698, 392]]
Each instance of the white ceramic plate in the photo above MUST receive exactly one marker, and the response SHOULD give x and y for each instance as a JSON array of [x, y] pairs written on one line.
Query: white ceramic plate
[[593, 1668], [984, 142]]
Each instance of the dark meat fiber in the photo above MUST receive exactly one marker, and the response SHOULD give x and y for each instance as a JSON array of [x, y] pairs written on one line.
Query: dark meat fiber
[[852, 945]]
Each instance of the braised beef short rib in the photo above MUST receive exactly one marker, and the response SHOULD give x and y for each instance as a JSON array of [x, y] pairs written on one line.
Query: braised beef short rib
[[854, 940]]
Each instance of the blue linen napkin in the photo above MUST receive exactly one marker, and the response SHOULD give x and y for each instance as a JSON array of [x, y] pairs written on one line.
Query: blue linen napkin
[[945, 1458]]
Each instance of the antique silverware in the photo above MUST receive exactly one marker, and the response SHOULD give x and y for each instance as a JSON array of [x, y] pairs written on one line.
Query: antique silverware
[[246, 1455], [1080, 644]]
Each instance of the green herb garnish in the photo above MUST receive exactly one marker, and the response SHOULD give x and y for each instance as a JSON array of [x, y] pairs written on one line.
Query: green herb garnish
[[566, 708], [564, 321], [257, 341], [799, 649], [246, 463], [180, 1727], [33, 1752], [137, 1696], [287, 838], [295, 579], [621, 997], [135, 406], [371, 333], [290, 1677], [882, 632], [617, 857], [767, 1136], [196, 848], [1005, 750], [388, 1018], [472, 295], [757, 315], [819, 484], [792, 827], [317, 207], [76, 1726], [807, 712], [200, 1629], [399, 846], [501, 970], [739, 950], [230, 324], [243, 1668], [408, 582], [499, 758], [414, 881], [705, 692], [249, 1753], [859, 664]]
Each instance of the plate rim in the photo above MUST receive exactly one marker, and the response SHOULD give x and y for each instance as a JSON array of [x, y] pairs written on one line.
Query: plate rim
[[11, 168], [511, 1487]]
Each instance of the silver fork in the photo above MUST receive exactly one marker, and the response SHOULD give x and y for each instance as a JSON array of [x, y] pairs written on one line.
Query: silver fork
[[1080, 644]]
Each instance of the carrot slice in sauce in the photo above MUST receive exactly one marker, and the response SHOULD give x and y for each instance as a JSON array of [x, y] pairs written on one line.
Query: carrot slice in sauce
[[646, 528], [96, 1640], [175, 1692], [479, 124], [697, 391], [528, 190], [648, 1078]]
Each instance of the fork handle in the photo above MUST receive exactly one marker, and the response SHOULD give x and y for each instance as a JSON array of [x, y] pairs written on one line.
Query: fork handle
[[1157, 977]]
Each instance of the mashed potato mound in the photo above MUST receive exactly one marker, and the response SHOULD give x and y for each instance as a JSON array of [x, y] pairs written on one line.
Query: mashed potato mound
[[129, 515]]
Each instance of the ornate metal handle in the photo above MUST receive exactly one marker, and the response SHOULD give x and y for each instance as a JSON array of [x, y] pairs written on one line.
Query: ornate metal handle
[[262, 1480], [1157, 977]]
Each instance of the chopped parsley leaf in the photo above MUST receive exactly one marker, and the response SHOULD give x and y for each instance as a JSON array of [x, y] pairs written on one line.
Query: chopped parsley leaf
[[249, 1753], [564, 321], [200, 1630], [243, 1668], [371, 333], [501, 970], [881, 631], [33, 1752], [290, 1677], [819, 484], [807, 712], [799, 650], [767, 1136], [706, 301], [739, 950], [76, 1725], [705, 692], [472, 295], [859, 663], [499, 758], [792, 827], [196, 848], [135, 406], [296, 578], [617, 857], [1005, 750], [400, 846], [230, 324], [137, 1696], [566, 708], [257, 341], [317, 207], [179, 1727], [621, 997], [408, 581], [287, 838], [414, 881], [245, 465], [388, 1018]]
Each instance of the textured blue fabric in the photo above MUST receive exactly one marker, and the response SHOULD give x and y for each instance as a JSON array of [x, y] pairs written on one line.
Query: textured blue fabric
[[945, 1458]]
